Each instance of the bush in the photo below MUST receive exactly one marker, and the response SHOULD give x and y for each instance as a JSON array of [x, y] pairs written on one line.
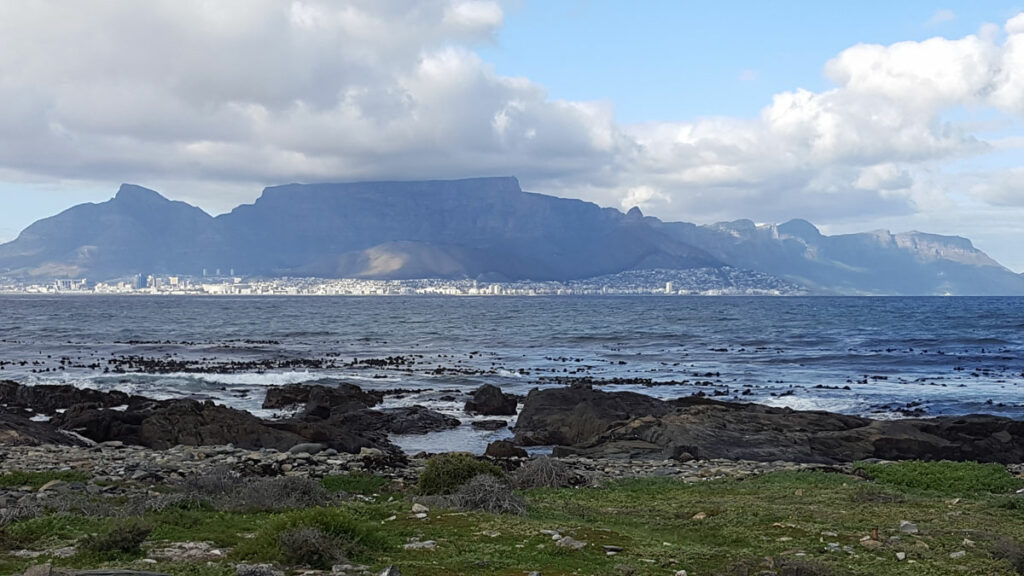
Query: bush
[[123, 538], [309, 547], [542, 472], [487, 493], [444, 473], [352, 534], [945, 478]]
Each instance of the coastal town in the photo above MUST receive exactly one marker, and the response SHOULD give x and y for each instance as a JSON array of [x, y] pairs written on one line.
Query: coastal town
[[694, 282]]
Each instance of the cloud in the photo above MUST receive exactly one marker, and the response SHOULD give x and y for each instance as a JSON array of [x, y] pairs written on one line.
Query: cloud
[[941, 16], [215, 98]]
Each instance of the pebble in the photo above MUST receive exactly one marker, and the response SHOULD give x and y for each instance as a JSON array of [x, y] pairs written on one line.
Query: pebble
[[418, 508], [957, 554], [570, 543], [907, 527], [424, 545]]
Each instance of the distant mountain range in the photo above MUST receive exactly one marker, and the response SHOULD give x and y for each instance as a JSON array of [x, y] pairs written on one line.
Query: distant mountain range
[[483, 228]]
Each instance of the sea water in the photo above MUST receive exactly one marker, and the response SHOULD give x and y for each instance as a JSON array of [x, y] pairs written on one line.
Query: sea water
[[880, 357]]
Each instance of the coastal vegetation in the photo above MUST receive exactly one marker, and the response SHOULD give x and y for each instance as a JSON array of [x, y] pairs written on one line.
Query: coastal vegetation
[[872, 518]]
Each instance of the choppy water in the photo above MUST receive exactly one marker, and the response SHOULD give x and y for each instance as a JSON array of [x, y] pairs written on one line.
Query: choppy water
[[870, 356]]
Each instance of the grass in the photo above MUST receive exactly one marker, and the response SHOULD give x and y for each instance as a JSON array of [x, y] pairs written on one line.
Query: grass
[[356, 482], [17, 478], [785, 520], [944, 478]]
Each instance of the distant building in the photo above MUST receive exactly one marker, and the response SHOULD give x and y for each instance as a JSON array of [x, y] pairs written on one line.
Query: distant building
[[669, 288]]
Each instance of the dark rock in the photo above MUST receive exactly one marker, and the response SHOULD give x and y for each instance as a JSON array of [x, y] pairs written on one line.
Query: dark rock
[[490, 401], [321, 398], [567, 416], [504, 449], [704, 428], [489, 424], [418, 420], [17, 430], [47, 398], [164, 424]]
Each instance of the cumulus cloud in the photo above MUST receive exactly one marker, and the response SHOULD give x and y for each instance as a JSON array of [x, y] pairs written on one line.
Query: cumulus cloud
[[220, 97]]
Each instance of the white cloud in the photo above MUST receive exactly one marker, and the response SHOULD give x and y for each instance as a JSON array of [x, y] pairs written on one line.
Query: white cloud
[[214, 98], [643, 197], [940, 16]]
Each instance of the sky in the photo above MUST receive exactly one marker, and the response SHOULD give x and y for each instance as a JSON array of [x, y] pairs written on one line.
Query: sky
[[856, 116]]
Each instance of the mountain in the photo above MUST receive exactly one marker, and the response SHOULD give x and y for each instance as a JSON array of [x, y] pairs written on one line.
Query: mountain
[[876, 262], [481, 228], [137, 231]]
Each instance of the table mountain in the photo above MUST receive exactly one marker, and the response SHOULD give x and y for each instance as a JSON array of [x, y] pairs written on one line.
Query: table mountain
[[482, 228]]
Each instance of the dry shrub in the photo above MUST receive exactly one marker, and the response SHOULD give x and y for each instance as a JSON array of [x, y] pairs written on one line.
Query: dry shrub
[[488, 494], [542, 472], [222, 490]]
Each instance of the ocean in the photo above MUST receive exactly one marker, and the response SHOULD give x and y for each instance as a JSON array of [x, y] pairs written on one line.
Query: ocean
[[873, 356]]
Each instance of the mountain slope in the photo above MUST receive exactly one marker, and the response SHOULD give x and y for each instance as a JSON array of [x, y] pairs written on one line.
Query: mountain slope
[[876, 262]]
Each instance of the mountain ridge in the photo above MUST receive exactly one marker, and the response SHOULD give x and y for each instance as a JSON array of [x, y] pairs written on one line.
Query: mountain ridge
[[482, 228]]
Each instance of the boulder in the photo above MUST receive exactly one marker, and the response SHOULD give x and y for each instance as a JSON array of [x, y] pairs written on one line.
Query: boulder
[[490, 401], [504, 449], [567, 416], [417, 420], [489, 424], [163, 424], [321, 398]]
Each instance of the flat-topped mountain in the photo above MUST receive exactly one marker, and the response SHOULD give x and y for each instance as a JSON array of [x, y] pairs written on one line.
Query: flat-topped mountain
[[482, 228]]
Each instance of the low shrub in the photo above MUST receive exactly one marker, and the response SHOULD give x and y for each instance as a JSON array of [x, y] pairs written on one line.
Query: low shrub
[[123, 538], [1010, 550], [444, 473], [542, 472], [308, 546], [352, 535], [944, 477], [487, 493]]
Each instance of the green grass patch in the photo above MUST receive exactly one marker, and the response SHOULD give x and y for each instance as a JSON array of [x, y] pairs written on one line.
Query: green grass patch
[[944, 478], [355, 530], [356, 482], [17, 478]]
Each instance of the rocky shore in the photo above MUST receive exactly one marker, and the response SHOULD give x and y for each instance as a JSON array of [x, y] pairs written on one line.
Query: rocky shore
[[331, 420]]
